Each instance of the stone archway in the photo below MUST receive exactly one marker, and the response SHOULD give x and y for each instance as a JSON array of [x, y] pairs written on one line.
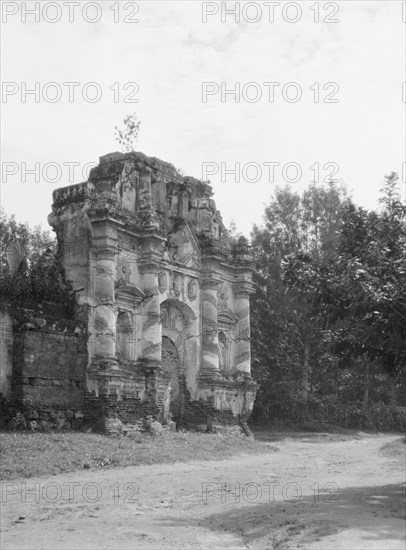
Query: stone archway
[[179, 355]]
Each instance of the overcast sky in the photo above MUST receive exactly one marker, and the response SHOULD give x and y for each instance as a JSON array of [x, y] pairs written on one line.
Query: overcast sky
[[173, 49]]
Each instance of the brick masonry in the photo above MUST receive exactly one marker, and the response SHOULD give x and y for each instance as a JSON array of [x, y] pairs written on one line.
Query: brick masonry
[[44, 358]]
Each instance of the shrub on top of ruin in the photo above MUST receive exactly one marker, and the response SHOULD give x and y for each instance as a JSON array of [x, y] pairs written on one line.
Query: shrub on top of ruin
[[127, 137]]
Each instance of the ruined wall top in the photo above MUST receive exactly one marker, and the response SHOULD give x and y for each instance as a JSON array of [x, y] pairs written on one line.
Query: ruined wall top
[[144, 191]]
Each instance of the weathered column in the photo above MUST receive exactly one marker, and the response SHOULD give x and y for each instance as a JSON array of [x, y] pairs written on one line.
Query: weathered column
[[152, 328], [145, 211], [144, 189], [103, 323], [210, 328], [242, 362]]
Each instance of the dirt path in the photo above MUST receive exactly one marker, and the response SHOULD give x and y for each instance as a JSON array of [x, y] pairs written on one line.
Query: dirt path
[[316, 492]]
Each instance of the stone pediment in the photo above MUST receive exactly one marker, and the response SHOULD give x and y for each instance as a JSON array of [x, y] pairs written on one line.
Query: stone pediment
[[129, 294], [226, 316], [183, 248]]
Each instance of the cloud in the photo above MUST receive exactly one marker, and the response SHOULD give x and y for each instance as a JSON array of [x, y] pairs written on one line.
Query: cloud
[[169, 54]]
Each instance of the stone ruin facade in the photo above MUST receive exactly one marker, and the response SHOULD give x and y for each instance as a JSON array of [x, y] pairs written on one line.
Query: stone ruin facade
[[161, 299]]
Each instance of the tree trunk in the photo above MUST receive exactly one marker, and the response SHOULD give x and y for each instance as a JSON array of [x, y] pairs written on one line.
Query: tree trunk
[[392, 390], [306, 371], [366, 387], [306, 378]]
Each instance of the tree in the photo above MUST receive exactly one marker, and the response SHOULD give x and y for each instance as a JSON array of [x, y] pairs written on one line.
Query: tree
[[287, 319], [33, 241], [365, 286], [361, 289], [128, 136], [39, 276]]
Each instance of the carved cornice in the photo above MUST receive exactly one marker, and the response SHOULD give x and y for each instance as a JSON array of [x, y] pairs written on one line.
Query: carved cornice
[[243, 289], [210, 282], [129, 293], [225, 315], [104, 251]]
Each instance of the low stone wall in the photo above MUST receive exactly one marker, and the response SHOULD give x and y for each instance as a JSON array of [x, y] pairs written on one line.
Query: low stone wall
[[45, 369], [6, 351]]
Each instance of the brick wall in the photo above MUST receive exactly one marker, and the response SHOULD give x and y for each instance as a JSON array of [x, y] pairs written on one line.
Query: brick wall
[[6, 351], [43, 364]]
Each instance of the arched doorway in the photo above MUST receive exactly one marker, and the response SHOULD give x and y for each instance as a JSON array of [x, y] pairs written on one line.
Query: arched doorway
[[171, 368], [180, 358]]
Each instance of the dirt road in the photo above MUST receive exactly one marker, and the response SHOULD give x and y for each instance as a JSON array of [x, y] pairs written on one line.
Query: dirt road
[[321, 492]]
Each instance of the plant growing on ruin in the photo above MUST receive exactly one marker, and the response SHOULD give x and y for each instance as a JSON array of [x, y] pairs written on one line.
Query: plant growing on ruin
[[128, 136]]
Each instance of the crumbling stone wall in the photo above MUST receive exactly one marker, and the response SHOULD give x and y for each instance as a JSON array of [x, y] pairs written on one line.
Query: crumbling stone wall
[[6, 351], [48, 354]]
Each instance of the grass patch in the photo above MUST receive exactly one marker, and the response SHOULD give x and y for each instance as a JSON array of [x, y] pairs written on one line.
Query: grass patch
[[395, 449], [24, 455]]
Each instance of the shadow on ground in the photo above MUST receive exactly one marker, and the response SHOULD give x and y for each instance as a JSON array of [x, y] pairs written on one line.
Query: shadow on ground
[[376, 513], [318, 434]]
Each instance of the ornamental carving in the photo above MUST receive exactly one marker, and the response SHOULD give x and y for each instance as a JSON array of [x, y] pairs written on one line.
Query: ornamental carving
[[162, 282], [192, 290], [172, 318], [127, 185], [123, 269], [224, 351], [177, 285], [144, 189], [222, 297]]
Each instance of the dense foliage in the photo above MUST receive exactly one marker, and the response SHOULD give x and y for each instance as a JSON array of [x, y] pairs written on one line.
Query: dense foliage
[[39, 276], [329, 312]]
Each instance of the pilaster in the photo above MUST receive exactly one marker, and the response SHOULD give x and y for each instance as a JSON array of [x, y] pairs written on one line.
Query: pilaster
[[210, 347]]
